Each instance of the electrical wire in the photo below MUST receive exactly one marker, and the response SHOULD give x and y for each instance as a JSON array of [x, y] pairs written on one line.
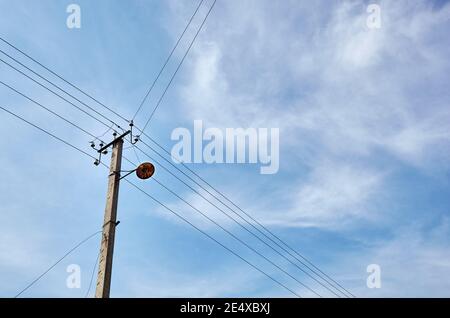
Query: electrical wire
[[63, 79], [45, 87], [245, 220], [168, 59], [102, 135], [92, 275], [161, 97], [47, 132], [237, 238], [143, 142], [238, 223], [136, 154], [172, 193], [157, 201], [47, 109], [231, 234], [195, 174], [213, 239], [56, 263], [178, 178], [178, 67]]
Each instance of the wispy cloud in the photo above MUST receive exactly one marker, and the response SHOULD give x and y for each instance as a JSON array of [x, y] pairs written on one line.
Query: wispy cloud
[[363, 117]]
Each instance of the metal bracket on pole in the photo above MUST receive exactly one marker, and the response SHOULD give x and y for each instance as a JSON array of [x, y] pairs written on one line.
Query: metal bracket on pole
[[104, 149], [101, 150]]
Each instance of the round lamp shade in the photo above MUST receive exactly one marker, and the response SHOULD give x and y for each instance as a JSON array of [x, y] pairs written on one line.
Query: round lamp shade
[[145, 170]]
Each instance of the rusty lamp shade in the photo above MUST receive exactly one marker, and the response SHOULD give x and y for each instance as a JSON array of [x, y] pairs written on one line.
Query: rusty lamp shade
[[145, 170]]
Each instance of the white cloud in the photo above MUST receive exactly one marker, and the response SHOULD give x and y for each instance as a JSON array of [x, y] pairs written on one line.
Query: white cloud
[[335, 194], [337, 89], [413, 263], [349, 84]]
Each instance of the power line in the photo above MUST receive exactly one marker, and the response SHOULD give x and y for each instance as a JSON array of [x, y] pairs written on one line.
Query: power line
[[47, 132], [92, 275], [168, 58], [213, 239], [236, 238], [108, 127], [175, 72], [47, 109], [164, 159], [237, 222], [53, 92], [57, 262], [203, 180], [61, 78], [102, 135], [245, 213], [63, 118], [232, 235], [178, 67], [159, 202]]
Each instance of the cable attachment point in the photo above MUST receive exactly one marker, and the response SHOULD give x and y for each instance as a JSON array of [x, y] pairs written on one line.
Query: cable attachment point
[[103, 150], [134, 140]]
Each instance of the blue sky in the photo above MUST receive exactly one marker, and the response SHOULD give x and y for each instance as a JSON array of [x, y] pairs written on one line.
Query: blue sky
[[364, 144]]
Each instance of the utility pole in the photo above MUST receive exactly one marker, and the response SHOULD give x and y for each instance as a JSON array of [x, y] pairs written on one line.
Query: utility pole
[[109, 225], [143, 171]]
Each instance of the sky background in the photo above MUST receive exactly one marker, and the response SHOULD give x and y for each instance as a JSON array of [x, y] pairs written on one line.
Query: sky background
[[364, 123]]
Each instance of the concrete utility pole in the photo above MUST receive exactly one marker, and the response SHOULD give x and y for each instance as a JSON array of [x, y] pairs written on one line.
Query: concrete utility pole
[[109, 225], [143, 171]]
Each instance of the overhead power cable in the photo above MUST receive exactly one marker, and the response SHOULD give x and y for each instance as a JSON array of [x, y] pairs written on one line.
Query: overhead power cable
[[329, 279], [163, 158], [47, 109], [236, 238], [155, 161], [242, 242], [274, 239], [178, 67], [168, 59], [92, 275], [157, 201], [53, 92], [214, 240], [47, 132], [233, 235], [57, 262], [61, 78]]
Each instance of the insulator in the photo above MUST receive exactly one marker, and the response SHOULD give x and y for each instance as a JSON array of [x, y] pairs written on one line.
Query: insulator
[[96, 162], [105, 152]]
